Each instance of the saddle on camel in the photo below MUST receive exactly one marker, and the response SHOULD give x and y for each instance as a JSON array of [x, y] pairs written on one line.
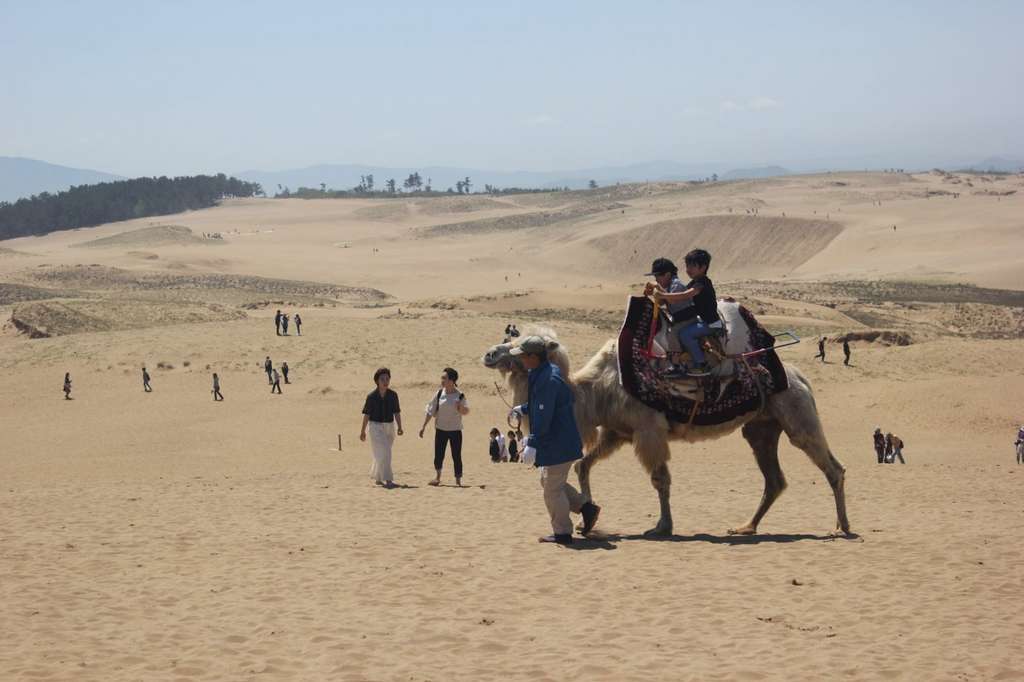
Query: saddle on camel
[[694, 363]]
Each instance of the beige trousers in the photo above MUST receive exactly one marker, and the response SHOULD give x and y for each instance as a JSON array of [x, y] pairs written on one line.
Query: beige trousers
[[560, 497]]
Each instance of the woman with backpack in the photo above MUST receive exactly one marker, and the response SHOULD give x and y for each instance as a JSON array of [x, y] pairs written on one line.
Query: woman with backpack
[[447, 408]]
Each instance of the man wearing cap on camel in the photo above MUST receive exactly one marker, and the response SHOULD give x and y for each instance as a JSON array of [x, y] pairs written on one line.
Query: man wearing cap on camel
[[554, 438]]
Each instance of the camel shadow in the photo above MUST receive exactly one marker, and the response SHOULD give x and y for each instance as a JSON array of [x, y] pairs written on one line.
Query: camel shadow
[[773, 538]]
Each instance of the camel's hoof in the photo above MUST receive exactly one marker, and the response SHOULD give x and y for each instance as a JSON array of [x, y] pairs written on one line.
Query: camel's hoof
[[658, 532], [743, 530], [840, 533]]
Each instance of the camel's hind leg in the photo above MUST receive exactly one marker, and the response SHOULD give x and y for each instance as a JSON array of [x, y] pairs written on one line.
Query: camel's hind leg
[[796, 412], [763, 436]]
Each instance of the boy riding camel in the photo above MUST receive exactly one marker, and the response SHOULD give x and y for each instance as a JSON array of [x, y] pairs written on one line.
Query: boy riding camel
[[702, 302]]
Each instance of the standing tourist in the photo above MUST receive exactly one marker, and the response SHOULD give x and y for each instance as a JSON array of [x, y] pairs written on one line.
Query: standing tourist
[[879, 445], [821, 349], [145, 381], [380, 412], [846, 352], [298, 322], [216, 388], [276, 384], [513, 447], [67, 386], [284, 324], [277, 323], [268, 367], [447, 408], [493, 448], [555, 439], [284, 371]]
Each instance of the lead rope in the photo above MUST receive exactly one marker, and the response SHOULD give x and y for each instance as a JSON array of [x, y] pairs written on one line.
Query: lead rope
[[518, 419]]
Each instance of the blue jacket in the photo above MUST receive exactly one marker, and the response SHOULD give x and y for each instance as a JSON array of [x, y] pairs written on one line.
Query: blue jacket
[[552, 421]]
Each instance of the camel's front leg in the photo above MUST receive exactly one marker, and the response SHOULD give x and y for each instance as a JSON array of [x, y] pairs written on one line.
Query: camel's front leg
[[607, 442]]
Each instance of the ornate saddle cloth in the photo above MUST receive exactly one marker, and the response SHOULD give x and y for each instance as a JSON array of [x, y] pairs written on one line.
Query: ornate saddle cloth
[[723, 398]]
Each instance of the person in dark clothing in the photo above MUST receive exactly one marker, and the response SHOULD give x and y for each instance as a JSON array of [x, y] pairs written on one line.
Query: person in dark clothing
[[145, 380], [67, 386], [381, 412], [846, 352], [821, 349], [277, 323], [514, 333], [284, 325], [701, 291], [276, 383], [879, 445], [268, 367], [493, 448], [513, 447], [284, 371], [216, 388], [298, 324]]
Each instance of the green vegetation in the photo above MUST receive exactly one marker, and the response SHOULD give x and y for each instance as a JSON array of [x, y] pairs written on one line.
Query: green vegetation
[[108, 202]]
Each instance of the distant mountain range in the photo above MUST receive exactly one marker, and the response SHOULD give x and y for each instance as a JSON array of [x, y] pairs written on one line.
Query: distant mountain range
[[997, 164], [338, 176], [21, 177]]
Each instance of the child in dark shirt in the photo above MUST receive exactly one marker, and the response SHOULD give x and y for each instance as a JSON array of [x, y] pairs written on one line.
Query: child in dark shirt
[[701, 291]]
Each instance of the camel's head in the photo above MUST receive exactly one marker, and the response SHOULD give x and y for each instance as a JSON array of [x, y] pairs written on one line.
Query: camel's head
[[500, 357]]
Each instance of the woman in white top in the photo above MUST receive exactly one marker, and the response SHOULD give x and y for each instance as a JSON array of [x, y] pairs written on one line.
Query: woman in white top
[[447, 407]]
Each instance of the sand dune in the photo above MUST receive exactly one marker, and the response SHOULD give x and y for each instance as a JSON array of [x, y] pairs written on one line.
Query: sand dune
[[158, 235], [750, 245], [164, 536]]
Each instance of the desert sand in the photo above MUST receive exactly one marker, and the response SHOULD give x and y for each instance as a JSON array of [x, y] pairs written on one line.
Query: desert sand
[[165, 536]]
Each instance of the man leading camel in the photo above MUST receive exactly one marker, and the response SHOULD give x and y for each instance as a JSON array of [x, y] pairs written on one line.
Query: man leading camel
[[555, 439]]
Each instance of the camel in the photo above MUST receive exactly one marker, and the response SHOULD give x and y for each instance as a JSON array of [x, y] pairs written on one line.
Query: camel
[[608, 417]]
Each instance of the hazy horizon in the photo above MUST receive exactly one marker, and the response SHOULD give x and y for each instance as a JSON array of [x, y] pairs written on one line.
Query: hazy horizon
[[158, 90]]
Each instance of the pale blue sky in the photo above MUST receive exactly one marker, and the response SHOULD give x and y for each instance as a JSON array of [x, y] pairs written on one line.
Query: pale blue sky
[[182, 87]]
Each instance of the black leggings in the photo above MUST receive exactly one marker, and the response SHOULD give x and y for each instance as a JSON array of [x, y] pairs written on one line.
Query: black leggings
[[441, 438]]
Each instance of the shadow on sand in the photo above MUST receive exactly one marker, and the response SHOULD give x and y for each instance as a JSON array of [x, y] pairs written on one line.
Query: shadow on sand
[[599, 540]]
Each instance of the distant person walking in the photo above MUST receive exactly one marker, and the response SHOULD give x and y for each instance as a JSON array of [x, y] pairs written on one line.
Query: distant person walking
[[879, 445], [846, 352], [821, 349], [276, 386], [447, 408], [298, 322], [216, 388], [897, 449], [145, 381], [284, 325], [381, 412], [277, 323], [1019, 443], [284, 371], [67, 386], [268, 367]]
